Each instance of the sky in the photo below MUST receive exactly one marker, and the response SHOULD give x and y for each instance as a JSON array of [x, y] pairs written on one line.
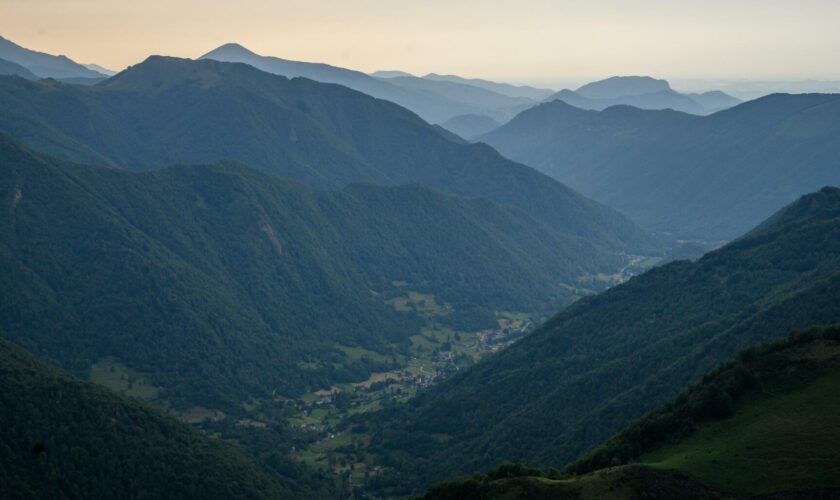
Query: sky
[[549, 42]]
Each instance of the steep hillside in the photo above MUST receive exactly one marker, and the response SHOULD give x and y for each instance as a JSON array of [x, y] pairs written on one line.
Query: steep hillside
[[219, 283], [63, 438], [764, 424], [609, 359], [690, 177], [169, 111]]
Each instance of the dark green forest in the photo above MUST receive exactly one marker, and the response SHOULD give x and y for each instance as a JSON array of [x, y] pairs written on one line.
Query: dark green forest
[[220, 283]]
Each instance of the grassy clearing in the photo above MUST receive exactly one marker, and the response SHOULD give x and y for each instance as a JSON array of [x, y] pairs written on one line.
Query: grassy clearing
[[118, 377], [198, 414], [422, 304], [775, 442], [357, 353]]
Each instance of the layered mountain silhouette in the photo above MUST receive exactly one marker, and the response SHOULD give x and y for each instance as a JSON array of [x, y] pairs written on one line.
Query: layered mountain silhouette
[[710, 177], [432, 100], [470, 99], [642, 92], [526, 91], [167, 111], [609, 359], [45, 65]]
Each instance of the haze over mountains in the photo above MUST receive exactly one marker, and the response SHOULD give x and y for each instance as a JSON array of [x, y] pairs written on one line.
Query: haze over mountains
[[709, 177], [318, 271]]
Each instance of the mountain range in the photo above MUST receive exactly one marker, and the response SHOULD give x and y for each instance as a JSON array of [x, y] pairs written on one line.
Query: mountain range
[[340, 281], [609, 359], [692, 177], [168, 111]]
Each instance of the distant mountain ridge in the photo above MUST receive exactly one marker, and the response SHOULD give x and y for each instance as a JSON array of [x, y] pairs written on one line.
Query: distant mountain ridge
[[533, 93], [434, 105], [45, 65], [642, 92], [711, 177], [465, 96]]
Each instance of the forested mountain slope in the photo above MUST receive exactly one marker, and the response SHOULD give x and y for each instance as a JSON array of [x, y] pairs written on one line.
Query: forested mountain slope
[[63, 438], [763, 424], [169, 111], [711, 177], [609, 359], [220, 283]]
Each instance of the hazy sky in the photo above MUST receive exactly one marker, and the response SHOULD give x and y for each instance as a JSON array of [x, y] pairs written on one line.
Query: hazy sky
[[520, 40]]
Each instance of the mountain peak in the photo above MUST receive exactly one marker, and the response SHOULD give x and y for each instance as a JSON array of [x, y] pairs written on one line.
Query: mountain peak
[[229, 50], [623, 86]]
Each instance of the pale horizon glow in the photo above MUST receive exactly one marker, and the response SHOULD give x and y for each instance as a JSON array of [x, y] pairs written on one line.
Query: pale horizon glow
[[543, 42]]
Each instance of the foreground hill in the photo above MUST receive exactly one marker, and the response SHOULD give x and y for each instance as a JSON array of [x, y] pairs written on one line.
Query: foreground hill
[[764, 424], [220, 283], [44, 65], [710, 177], [609, 359], [168, 111], [63, 438]]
